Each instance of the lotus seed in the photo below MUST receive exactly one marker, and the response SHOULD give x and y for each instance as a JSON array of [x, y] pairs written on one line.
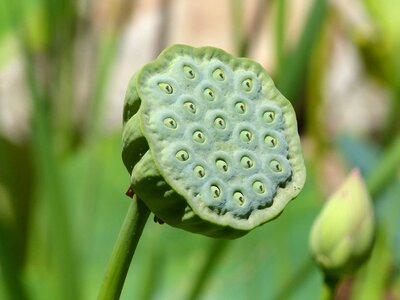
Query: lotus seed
[[199, 137], [182, 155], [269, 116], [221, 165], [247, 85], [238, 196], [240, 107], [246, 162], [169, 122], [270, 141], [208, 94], [218, 74], [275, 166], [246, 136], [165, 87], [199, 171], [189, 73], [258, 187], [219, 123], [190, 107], [215, 191]]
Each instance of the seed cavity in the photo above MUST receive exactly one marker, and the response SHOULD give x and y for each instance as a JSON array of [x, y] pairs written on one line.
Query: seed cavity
[[239, 198], [165, 87], [259, 187], [275, 166], [170, 123], [246, 136], [240, 107], [219, 75], [247, 85], [208, 94], [269, 116], [190, 106], [221, 165], [215, 191], [199, 171], [182, 155], [189, 73], [270, 141], [246, 162], [199, 137], [219, 123]]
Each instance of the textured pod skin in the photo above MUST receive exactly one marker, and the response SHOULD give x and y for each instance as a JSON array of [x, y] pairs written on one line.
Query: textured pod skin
[[211, 145]]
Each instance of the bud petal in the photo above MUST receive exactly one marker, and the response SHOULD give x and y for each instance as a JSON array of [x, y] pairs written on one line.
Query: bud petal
[[342, 235]]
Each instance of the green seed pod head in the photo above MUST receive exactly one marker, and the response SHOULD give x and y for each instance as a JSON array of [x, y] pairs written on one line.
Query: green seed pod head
[[211, 145], [342, 234]]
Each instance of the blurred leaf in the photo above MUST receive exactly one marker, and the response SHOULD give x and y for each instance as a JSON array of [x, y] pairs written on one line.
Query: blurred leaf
[[388, 212], [280, 27], [5, 19], [216, 250], [244, 37], [50, 211], [290, 77], [359, 153], [10, 275], [238, 28], [15, 205], [381, 53], [315, 91], [13, 159], [106, 55], [368, 286], [97, 205], [385, 14]]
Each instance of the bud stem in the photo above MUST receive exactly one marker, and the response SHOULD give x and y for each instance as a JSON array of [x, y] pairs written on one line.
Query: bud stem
[[328, 288], [124, 249]]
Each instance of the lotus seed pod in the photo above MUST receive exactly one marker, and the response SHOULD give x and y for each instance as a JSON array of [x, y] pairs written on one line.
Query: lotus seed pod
[[211, 145], [342, 235]]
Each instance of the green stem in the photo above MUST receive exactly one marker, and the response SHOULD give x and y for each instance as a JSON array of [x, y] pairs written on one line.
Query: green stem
[[124, 249], [216, 250], [328, 289]]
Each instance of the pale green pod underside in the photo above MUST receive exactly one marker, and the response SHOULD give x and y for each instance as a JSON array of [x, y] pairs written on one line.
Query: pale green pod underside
[[214, 147]]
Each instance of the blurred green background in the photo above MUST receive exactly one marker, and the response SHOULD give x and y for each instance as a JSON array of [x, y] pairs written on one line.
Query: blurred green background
[[64, 68]]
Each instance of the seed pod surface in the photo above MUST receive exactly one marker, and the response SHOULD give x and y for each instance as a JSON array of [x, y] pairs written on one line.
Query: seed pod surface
[[214, 147]]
